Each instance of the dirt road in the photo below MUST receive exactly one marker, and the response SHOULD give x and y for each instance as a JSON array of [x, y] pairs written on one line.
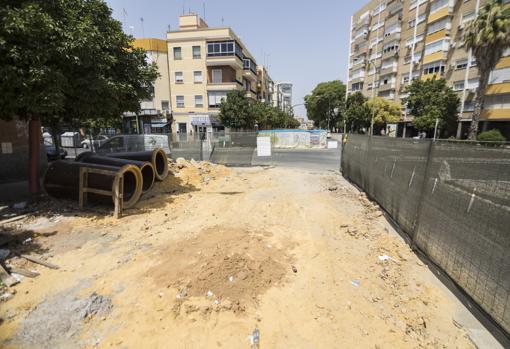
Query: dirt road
[[216, 253]]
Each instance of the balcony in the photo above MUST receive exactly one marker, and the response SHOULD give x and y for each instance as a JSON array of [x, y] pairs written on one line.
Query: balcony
[[392, 37], [386, 87], [395, 7], [431, 76], [224, 53], [501, 114], [436, 56], [224, 86], [389, 54], [388, 70], [500, 88], [250, 70], [441, 13]]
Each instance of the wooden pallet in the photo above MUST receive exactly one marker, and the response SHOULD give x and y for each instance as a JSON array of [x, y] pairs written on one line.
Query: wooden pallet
[[118, 188]]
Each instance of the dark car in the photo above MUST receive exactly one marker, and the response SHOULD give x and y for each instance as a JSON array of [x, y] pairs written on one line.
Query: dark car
[[52, 154]]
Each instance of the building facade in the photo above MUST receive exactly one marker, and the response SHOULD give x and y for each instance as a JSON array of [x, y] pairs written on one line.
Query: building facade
[[155, 115], [282, 96], [198, 66], [393, 42]]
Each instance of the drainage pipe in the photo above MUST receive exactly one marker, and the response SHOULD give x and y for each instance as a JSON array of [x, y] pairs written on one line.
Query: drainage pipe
[[156, 157], [148, 173], [62, 180]]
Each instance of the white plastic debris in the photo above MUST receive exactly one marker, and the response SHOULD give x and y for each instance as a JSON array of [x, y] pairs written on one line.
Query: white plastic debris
[[255, 338], [384, 258], [210, 294], [355, 283], [216, 302], [231, 279]]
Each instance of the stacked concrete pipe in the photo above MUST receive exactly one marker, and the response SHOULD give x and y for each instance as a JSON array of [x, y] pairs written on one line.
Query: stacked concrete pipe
[[156, 157], [62, 180], [146, 168]]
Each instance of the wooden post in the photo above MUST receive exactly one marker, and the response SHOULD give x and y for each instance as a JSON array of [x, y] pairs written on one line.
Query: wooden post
[[117, 194]]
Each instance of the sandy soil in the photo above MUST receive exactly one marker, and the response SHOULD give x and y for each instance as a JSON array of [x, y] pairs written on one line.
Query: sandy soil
[[214, 253]]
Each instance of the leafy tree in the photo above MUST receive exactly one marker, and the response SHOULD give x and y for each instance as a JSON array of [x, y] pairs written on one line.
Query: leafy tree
[[67, 61], [432, 100], [384, 111], [235, 111], [322, 102], [270, 117], [488, 36], [357, 113]]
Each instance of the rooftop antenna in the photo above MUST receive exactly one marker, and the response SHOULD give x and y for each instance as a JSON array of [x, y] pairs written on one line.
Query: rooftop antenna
[[169, 28], [143, 29], [183, 7], [222, 21], [203, 5]]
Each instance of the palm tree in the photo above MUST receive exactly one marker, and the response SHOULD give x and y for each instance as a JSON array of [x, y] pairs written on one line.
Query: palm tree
[[488, 36]]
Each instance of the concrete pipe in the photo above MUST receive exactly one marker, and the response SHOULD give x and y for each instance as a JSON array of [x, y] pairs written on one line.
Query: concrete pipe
[[62, 180], [156, 157], [148, 173]]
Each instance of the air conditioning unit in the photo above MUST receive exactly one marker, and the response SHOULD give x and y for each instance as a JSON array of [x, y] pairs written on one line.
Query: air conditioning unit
[[453, 44]]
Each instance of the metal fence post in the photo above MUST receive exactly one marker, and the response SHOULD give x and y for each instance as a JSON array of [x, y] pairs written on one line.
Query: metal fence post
[[421, 197]]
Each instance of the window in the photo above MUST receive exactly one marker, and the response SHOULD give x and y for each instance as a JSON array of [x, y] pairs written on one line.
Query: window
[[469, 106], [409, 42], [461, 63], [421, 18], [438, 25], [179, 78], [199, 101], [437, 5], [500, 76], [432, 68], [357, 86], [217, 76], [458, 85], [468, 16], [215, 98], [436, 46], [390, 47], [224, 48], [165, 105], [179, 101], [196, 52], [177, 53], [197, 77]]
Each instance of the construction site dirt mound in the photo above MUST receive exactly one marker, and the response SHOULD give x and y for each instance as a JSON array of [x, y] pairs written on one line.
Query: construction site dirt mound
[[221, 269]]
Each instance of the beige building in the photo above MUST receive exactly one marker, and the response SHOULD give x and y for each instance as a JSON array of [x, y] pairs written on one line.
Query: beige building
[[155, 115], [206, 63], [395, 41]]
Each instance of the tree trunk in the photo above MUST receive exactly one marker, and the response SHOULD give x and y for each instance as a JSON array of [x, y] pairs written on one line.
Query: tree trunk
[[479, 98], [54, 136], [34, 150]]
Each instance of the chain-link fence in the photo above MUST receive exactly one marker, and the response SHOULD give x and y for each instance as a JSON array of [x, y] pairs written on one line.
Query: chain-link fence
[[452, 199]]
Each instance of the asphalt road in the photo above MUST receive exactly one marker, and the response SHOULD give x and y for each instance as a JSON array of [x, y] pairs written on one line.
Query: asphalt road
[[313, 159]]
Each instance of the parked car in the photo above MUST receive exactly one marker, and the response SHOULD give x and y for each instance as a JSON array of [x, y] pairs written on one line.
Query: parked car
[[52, 154], [97, 142], [125, 143]]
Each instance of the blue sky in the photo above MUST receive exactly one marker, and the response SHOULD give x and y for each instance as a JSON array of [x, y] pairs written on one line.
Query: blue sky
[[303, 41]]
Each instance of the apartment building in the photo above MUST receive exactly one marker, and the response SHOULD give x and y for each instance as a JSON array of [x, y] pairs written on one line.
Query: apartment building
[[205, 64], [155, 115], [265, 85], [395, 41], [283, 96]]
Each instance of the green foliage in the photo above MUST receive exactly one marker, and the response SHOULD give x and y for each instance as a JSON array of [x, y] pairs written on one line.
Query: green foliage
[[68, 61], [491, 136], [235, 111], [384, 111], [357, 113], [238, 112], [270, 117], [430, 100], [488, 36], [324, 99]]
